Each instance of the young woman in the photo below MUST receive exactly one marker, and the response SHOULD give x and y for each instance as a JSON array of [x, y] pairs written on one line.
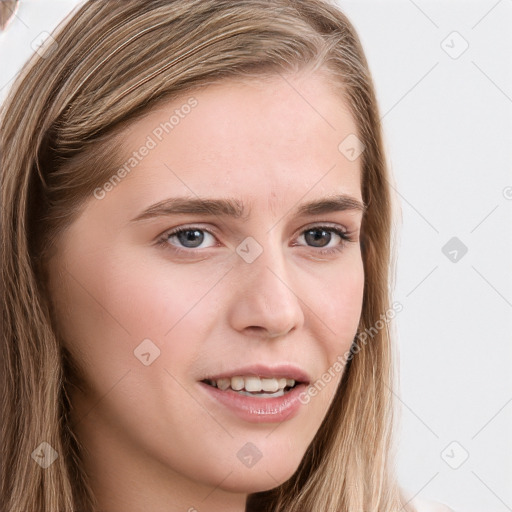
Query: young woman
[[196, 243]]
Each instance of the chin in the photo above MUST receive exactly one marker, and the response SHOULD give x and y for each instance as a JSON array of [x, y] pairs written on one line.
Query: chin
[[263, 476]]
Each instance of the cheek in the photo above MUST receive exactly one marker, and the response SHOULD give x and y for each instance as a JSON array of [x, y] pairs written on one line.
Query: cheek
[[109, 306], [106, 307], [339, 302], [168, 303], [122, 297], [338, 307]]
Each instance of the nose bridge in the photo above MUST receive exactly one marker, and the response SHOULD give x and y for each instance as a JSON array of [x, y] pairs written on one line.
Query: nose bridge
[[265, 297]]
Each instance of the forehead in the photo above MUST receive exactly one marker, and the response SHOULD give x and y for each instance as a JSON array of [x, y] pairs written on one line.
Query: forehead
[[269, 137]]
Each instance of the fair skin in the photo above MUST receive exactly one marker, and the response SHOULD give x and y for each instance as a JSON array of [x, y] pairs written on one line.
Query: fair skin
[[154, 439]]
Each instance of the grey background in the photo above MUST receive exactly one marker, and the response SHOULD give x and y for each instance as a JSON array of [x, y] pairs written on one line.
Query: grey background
[[447, 118]]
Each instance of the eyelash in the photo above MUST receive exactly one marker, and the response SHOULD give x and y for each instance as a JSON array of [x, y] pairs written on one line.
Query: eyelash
[[345, 238]]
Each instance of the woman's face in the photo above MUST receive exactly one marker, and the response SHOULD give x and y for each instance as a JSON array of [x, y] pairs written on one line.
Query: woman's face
[[274, 292]]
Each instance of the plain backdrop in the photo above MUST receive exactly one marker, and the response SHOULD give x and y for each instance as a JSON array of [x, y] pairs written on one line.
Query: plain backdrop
[[442, 71]]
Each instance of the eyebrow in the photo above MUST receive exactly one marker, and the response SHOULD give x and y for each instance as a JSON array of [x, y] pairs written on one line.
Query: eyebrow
[[231, 207]]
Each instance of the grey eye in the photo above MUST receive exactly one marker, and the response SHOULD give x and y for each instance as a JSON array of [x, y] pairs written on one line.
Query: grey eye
[[313, 236], [190, 238]]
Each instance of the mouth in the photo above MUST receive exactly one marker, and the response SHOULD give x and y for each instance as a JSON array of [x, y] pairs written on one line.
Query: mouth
[[259, 393], [255, 385], [259, 380]]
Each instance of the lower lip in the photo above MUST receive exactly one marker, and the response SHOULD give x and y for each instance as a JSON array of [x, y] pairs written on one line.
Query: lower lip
[[259, 410]]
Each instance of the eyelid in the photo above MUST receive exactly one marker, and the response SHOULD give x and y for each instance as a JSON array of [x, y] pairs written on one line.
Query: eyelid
[[344, 234], [164, 237], [321, 224]]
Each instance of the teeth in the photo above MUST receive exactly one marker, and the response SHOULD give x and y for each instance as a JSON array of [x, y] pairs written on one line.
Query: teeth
[[223, 384], [263, 395], [252, 384], [237, 383], [271, 385]]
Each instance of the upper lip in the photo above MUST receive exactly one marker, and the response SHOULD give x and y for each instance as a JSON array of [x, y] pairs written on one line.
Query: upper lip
[[289, 371]]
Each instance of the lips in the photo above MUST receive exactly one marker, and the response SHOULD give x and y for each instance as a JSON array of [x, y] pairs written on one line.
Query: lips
[[257, 407]]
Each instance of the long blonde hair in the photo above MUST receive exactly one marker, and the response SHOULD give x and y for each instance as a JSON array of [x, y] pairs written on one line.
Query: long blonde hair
[[107, 65]]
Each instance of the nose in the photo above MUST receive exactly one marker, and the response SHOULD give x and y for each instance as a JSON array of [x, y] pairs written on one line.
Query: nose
[[265, 303]]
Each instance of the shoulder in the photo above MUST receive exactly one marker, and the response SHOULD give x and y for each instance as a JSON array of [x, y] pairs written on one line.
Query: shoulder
[[424, 505]]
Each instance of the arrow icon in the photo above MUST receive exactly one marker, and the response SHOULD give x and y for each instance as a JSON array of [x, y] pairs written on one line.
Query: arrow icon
[[455, 455], [249, 455], [454, 249], [147, 352], [44, 455], [249, 252], [454, 45], [351, 147]]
